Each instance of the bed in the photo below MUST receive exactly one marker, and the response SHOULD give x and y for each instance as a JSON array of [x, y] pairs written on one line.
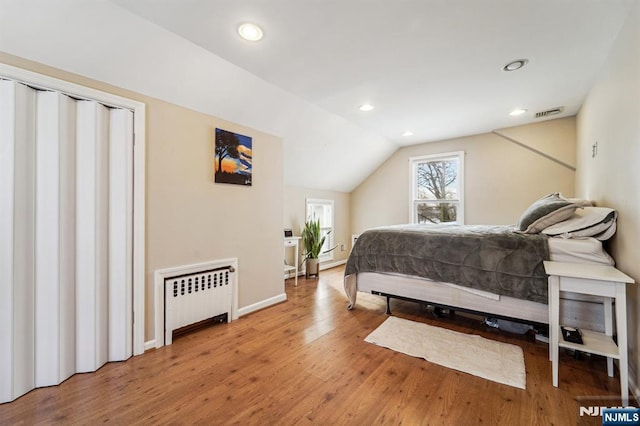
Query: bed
[[492, 270]]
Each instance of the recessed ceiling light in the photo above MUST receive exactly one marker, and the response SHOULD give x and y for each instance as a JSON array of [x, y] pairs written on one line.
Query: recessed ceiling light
[[517, 112], [366, 107], [408, 133], [515, 65], [249, 31]]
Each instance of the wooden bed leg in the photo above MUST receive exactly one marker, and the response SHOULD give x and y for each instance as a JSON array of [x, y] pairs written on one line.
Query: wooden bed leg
[[388, 306]]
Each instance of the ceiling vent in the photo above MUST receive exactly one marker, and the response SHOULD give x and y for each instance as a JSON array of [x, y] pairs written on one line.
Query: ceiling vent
[[549, 112]]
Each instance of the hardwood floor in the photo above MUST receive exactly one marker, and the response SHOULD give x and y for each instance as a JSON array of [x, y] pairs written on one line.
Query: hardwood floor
[[305, 361]]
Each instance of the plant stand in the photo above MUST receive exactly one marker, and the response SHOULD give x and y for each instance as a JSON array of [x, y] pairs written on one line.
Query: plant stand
[[312, 268]]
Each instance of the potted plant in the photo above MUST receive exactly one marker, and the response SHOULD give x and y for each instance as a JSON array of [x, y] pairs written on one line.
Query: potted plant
[[313, 241]]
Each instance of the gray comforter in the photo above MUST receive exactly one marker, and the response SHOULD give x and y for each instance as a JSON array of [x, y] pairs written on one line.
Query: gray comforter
[[485, 257]]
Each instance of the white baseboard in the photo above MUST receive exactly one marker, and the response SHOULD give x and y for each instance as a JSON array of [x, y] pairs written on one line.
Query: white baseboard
[[323, 266], [150, 344], [262, 304]]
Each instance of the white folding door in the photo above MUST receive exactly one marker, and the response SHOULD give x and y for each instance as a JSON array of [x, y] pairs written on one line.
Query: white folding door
[[66, 186]]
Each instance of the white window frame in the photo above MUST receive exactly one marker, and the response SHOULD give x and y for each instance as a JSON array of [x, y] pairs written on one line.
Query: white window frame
[[414, 161], [319, 201]]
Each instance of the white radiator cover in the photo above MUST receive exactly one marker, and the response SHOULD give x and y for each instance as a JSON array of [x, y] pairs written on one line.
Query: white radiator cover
[[189, 294]]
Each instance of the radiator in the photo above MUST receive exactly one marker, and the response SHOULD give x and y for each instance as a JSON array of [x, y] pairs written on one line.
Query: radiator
[[197, 296]]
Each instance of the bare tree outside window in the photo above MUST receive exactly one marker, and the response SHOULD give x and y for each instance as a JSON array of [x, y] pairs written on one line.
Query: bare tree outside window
[[437, 182]]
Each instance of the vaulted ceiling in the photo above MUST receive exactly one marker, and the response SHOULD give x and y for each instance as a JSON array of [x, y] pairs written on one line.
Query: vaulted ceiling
[[434, 67], [431, 67]]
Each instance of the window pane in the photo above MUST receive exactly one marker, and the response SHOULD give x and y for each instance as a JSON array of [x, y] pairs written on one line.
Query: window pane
[[437, 180], [436, 212], [316, 211], [325, 219], [326, 246], [321, 212]]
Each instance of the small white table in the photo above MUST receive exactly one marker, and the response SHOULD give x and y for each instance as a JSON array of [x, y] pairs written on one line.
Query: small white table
[[292, 242], [598, 280]]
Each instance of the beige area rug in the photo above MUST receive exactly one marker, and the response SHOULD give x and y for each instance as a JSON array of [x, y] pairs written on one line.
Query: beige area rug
[[491, 360]]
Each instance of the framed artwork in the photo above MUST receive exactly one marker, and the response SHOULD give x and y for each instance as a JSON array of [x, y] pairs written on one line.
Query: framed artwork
[[233, 158]]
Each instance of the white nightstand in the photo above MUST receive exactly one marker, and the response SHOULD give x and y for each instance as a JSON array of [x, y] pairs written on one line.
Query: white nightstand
[[598, 280], [292, 242]]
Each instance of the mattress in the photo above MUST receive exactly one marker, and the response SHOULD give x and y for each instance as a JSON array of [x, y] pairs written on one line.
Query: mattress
[[491, 258], [571, 250], [574, 309], [578, 250]]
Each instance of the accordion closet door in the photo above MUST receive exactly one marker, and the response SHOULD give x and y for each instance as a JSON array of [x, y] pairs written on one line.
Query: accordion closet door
[[66, 187]]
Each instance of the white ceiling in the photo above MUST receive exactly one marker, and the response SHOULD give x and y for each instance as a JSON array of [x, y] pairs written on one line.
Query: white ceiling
[[433, 67], [429, 66]]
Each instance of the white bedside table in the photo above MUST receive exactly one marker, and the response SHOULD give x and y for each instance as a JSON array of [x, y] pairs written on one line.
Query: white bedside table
[[598, 280], [292, 242]]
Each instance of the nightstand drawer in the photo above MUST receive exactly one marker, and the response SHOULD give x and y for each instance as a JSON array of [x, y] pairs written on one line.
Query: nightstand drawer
[[290, 243]]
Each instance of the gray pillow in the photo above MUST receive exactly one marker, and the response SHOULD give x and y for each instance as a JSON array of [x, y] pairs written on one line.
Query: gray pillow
[[545, 212]]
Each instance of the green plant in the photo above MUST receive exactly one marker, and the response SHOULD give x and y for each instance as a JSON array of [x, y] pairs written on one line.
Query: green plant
[[313, 239]]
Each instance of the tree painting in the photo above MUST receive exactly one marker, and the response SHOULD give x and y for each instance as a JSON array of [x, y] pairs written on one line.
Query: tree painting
[[436, 181], [233, 158]]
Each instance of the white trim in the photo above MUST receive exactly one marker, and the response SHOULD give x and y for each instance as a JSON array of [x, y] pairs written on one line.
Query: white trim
[[412, 181], [139, 226], [452, 154], [159, 277], [263, 304], [41, 81], [324, 266], [150, 344], [139, 127]]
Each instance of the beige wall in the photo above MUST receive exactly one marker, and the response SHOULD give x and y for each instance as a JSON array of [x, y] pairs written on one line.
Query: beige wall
[[295, 216], [189, 218], [501, 177], [610, 116]]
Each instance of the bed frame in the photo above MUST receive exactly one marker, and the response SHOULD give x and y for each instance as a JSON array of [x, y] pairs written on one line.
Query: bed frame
[[579, 310]]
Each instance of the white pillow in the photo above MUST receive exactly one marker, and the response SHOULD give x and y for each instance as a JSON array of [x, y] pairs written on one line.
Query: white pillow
[[586, 222], [579, 201], [608, 233]]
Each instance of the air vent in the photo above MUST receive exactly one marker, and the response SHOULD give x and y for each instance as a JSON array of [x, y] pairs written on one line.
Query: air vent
[[547, 113]]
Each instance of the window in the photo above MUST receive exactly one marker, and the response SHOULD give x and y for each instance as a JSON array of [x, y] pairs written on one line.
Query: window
[[323, 211], [437, 188]]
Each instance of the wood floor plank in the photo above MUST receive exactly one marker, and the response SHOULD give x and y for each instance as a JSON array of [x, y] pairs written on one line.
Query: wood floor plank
[[305, 361]]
